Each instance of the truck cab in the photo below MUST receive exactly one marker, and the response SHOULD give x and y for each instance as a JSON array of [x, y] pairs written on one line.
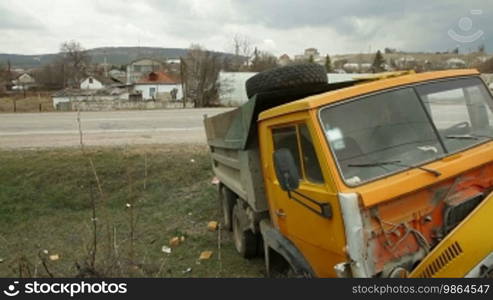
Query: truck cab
[[390, 175]]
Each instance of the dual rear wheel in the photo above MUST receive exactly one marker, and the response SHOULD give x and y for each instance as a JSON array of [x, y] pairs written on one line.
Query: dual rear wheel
[[236, 220]]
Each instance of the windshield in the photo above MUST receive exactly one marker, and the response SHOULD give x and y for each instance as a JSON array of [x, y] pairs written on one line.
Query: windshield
[[391, 131]]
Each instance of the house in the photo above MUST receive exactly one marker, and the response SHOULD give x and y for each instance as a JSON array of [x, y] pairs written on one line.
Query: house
[[309, 53], [94, 82], [284, 59], [142, 67], [118, 75], [24, 82], [351, 67], [456, 63], [173, 61], [159, 85], [406, 63]]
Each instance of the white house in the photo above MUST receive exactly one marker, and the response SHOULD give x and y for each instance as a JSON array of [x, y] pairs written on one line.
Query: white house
[[23, 82], [159, 85], [141, 67], [91, 83], [173, 61], [456, 63]]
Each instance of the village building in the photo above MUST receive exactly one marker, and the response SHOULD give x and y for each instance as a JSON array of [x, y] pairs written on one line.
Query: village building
[[351, 67], [455, 63], [94, 82], [312, 52], [24, 82], [173, 61], [309, 53], [142, 67], [406, 63], [158, 85], [284, 60], [118, 75]]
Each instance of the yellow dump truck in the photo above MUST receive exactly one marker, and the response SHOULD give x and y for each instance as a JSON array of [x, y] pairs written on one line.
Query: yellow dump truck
[[389, 175]]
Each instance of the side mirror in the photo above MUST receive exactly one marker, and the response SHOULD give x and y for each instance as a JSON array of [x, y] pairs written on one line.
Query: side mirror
[[286, 170]]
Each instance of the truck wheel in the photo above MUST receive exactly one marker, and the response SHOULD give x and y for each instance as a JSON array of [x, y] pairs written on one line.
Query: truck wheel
[[227, 200], [286, 77], [244, 239]]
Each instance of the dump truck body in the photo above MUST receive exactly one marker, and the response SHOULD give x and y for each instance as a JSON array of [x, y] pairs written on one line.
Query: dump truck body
[[386, 183]]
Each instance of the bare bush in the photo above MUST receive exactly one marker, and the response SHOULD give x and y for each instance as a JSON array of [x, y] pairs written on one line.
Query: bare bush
[[75, 62], [200, 72]]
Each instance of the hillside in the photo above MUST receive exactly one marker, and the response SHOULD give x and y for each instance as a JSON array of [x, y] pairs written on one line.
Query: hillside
[[114, 55], [437, 59]]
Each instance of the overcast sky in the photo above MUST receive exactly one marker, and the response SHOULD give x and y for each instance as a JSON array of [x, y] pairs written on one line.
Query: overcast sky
[[278, 26]]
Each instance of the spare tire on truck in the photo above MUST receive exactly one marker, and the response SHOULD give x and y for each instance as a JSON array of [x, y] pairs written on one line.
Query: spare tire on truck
[[292, 76]]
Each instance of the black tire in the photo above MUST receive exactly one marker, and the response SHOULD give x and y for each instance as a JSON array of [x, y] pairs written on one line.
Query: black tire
[[245, 240], [227, 200], [286, 77]]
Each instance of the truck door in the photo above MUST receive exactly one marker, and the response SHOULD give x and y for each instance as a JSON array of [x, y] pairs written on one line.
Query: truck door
[[299, 215]]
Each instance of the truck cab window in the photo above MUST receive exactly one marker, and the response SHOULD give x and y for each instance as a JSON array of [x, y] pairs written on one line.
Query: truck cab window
[[286, 137], [310, 161], [297, 138]]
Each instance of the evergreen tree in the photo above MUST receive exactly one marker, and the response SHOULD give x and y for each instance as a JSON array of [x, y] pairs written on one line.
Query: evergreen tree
[[328, 64], [311, 59], [378, 62]]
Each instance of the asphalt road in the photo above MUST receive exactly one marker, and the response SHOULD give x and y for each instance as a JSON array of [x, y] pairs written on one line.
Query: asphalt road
[[60, 129]]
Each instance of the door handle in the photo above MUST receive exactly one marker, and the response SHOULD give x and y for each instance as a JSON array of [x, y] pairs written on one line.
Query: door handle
[[280, 213]]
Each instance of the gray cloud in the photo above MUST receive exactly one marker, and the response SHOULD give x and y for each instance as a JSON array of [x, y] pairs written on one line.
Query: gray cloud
[[421, 23], [34, 26], [11, 19]]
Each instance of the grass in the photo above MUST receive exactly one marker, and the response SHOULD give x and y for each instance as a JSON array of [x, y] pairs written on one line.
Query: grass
[[45, 209]]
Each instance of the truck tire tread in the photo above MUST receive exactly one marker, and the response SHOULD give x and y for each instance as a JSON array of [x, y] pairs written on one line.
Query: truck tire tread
[[286, 77]]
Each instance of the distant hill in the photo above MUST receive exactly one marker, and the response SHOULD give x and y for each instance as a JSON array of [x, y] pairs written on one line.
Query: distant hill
[[114, 55]]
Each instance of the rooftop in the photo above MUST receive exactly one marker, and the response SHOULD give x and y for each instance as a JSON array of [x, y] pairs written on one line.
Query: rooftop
[[158, 78]]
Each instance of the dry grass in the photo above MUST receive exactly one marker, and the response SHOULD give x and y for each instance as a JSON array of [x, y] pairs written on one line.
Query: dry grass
[[31, 103]]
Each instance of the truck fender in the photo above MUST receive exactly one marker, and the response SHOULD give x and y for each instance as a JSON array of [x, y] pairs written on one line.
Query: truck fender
[[274, 240]]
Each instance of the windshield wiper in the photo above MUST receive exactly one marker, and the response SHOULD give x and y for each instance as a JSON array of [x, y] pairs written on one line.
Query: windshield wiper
[[395, 163], [471, 136]]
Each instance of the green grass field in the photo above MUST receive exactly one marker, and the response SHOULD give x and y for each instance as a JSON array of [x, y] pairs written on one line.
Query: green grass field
[[46, 210]]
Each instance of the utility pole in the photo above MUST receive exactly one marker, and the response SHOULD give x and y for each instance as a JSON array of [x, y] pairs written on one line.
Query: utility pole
[[183, 83], [9, 72], [105, 67]]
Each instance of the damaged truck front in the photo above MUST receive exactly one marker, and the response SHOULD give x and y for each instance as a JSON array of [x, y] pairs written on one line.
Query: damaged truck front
[[385, 176]]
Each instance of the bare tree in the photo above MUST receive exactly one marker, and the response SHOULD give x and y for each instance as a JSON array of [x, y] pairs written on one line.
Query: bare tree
[[75, 63], [262, 61], [3, 79], [243, 50], [200, 72], [50, 76]]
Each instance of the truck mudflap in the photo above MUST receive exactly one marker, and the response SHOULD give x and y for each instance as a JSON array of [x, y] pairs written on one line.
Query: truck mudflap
[[467, 251]]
